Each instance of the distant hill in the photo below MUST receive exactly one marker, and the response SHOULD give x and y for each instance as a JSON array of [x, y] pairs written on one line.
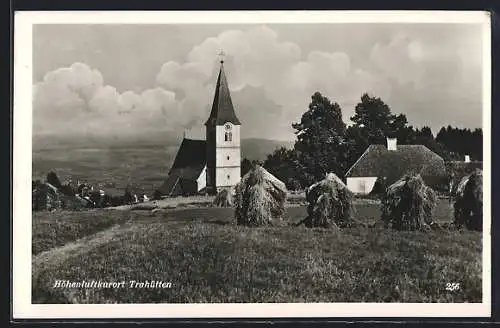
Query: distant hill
[[251, 148], [151, 139], [258, 149], [119, 162]]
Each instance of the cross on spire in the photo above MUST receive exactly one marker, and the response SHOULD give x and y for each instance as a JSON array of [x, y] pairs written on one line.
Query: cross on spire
[[222, 107], [221, 55]]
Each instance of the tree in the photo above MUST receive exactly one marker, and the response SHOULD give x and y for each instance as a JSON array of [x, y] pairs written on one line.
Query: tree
[[320, 146], [424, 137], [283, 164], [373, 123], [377, 122], [127, 196], [247, 165], [460, 142], [374, 117], [477, 144], [68, 190], [53, 179]]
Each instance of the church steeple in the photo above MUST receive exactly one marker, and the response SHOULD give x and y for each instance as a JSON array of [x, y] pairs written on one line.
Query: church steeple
[[223, 139], [222, 107]]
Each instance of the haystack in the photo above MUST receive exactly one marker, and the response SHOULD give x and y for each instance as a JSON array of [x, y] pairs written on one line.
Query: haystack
[[224, 198], [54, 197], [260, 197], [408, 204], [468, 205], [330, 203]]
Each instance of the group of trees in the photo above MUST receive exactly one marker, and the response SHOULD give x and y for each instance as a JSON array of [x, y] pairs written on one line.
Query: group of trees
[[324, 143], [462, 141]]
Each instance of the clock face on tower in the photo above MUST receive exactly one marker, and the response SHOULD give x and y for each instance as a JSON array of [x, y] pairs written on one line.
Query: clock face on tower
[[227, 127]]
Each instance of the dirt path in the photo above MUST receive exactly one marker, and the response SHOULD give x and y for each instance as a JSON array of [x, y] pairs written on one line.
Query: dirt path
[[79, 247]]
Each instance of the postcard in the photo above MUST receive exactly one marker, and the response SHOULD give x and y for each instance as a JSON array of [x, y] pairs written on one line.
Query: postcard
[[251, 164]]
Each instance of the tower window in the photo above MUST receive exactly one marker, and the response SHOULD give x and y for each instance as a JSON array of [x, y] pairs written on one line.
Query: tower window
[[228, 136], [228, 177], [228, 158]]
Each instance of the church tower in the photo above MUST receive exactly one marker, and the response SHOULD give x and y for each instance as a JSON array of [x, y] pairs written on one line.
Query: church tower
[[223, 139]]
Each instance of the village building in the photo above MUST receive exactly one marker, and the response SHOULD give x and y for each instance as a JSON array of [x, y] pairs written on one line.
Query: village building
[[207, 166], [456, 170], [390, 162]]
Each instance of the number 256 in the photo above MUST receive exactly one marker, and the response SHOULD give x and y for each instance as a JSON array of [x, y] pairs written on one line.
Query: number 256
[[452, 286]]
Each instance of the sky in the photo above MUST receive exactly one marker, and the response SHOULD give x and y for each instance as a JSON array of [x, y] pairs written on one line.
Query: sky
[[132, 80]]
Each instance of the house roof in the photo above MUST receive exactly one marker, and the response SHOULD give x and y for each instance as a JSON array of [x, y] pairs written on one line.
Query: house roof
[[222, 107], [377, 161], [469, 167], [456, 170]]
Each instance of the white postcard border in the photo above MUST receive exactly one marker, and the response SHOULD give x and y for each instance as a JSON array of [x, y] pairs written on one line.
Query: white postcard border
[[22, 154]]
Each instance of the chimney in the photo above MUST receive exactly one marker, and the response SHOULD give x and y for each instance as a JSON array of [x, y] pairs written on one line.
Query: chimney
[[392, 144], [467, 159]]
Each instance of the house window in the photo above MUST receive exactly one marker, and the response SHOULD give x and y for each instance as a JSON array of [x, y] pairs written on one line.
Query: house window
[[228, 136]]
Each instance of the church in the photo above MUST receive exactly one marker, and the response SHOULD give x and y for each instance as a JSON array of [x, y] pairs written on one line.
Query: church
[[207, 166]]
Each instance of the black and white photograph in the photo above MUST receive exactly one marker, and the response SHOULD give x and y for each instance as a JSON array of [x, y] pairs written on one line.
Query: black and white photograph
[[258, 164]]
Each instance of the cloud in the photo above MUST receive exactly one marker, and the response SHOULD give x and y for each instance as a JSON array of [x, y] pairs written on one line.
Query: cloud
[[434, 80], [257, 59], [258, 63], [271, 81], [74, 101], [398, 60]]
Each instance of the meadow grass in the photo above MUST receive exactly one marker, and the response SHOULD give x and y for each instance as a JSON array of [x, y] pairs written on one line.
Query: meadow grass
[[53, 229], [208, 258]]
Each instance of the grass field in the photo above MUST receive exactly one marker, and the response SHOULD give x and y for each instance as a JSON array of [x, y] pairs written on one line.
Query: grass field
[[55, 229], [209, 259]]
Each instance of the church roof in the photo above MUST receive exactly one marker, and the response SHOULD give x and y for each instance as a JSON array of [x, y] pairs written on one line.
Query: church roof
[[378, 161], [192, 154], [188, 165], [222, 107], [175, 184]]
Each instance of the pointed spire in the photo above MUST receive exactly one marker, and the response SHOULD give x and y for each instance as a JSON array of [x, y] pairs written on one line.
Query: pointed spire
[[222, 108]]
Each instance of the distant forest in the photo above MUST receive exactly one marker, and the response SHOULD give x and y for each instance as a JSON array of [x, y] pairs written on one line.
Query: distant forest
[[324, 143]]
